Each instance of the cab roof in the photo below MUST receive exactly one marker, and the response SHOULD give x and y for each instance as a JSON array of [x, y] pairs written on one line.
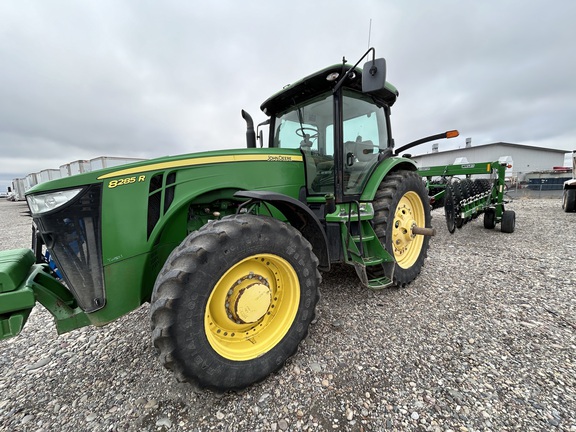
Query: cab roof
[[316, 84]]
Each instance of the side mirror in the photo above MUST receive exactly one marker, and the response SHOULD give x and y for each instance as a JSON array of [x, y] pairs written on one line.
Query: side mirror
[[374, 75], [260, 133]]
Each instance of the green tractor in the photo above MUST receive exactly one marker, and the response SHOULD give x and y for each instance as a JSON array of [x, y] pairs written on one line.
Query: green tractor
[[227, 246]]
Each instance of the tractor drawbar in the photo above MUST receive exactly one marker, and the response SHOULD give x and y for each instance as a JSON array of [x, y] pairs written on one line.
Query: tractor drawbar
[[416, 230]]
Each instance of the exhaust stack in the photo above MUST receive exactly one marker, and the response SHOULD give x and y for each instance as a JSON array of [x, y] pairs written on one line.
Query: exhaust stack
[[250, 134]]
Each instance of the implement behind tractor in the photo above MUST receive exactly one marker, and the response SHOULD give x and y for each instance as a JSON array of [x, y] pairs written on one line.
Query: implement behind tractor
[[227, 245], [465, 198]]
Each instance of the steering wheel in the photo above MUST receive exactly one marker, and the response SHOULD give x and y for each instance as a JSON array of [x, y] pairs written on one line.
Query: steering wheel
[[301, 132]]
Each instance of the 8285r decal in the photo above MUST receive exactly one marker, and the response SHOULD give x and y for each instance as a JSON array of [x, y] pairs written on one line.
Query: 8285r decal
[[126, 181]]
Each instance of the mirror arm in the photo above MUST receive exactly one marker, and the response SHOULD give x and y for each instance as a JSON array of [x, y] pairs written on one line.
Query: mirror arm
[[259, 132], [349, 71]]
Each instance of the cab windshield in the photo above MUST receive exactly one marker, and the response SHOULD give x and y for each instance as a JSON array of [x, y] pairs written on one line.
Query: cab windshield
[[310, 127]]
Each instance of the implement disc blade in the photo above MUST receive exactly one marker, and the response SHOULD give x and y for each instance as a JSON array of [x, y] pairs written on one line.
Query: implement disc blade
[[449, 210]]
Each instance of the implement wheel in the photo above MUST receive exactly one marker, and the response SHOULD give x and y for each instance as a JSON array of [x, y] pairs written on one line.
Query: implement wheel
[[400, 203], [508, 221], [234, 301], [489, 218]]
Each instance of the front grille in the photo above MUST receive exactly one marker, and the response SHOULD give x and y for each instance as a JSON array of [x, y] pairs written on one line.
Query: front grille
[[72, 234], [159, 188], [169, 194]]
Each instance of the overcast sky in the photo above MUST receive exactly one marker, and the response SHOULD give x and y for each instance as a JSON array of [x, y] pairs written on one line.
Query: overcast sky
[[81, 79]]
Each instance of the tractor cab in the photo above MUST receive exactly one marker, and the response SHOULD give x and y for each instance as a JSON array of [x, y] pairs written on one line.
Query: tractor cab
[[342, 130]]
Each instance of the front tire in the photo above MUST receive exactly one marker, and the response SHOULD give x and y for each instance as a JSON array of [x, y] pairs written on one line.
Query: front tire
[[234, 301], [400, 202]]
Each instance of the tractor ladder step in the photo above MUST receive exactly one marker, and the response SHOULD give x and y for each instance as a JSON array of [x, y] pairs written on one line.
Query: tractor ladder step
[[365, 238]]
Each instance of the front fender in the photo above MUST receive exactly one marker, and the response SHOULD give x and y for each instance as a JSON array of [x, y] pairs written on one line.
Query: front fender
[[300, 217]]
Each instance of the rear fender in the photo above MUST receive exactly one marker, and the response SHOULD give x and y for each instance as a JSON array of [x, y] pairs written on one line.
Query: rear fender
[[382, 169], [300, 217]]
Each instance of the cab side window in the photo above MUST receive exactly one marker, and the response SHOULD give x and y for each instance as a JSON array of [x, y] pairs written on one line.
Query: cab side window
[[365, 137]]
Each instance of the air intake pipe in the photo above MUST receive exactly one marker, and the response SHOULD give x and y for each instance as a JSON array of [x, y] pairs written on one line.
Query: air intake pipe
[[250, 134]]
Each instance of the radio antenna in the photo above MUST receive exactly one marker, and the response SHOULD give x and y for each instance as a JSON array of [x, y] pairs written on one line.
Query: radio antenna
[[369, 32]]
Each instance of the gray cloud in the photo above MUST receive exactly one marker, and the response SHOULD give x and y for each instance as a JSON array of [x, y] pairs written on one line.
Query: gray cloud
[[146, 79]]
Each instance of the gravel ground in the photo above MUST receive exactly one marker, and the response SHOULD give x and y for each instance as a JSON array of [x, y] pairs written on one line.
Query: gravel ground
[[483, 340]]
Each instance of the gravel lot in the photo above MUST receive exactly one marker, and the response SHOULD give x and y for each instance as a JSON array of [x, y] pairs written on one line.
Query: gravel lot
[[483, 340]]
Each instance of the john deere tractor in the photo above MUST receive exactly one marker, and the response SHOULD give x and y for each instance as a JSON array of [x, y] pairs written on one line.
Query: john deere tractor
[[227, 246]]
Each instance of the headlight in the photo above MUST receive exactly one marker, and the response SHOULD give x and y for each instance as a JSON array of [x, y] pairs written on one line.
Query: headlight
[[42, 203]]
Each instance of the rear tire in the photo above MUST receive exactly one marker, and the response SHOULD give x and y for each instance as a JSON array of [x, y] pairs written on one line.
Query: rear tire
[[234, 301], [569, 200], [401, 200]]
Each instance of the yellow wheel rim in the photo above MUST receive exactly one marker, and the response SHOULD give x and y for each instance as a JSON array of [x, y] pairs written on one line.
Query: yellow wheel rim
[[252, 307], [407, 246]]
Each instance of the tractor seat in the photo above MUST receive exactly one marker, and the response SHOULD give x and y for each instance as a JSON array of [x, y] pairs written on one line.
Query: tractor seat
[[365, 157], [364, 152]]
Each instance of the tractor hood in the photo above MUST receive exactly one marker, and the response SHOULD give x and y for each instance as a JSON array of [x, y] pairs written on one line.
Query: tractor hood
[[127, 171]]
